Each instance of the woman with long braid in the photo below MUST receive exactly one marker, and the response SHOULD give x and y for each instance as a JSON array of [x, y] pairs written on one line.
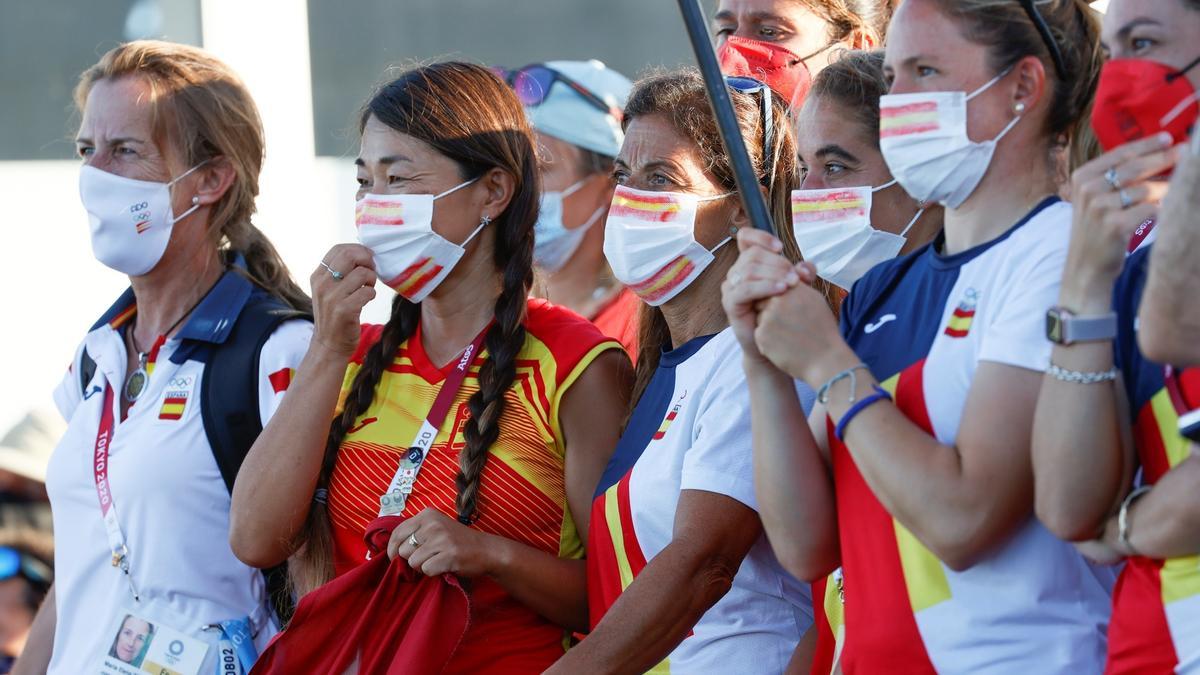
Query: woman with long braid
[[491, 388]]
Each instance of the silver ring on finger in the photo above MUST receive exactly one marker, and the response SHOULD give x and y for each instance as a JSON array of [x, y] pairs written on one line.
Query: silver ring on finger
[[412, 540], [337, 276], [1111, 178], [1126, 200]]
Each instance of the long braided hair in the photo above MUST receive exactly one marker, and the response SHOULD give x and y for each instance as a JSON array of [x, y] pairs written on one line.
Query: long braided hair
[[469, 115]]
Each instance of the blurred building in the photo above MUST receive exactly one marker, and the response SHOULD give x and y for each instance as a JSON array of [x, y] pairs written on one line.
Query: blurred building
[[310, 66]]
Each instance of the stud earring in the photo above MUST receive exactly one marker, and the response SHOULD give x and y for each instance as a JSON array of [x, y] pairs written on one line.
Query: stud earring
[[485, 219], [1019, 108], [196, 200]]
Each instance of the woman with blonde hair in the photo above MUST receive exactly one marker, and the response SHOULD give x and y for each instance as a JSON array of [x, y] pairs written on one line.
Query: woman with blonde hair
[[172, 147]]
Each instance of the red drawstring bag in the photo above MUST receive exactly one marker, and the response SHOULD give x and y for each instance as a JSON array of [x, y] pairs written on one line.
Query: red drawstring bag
[[382, 616]]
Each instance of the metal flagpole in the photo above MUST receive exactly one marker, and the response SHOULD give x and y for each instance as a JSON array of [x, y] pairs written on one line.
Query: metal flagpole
[[731, 135]]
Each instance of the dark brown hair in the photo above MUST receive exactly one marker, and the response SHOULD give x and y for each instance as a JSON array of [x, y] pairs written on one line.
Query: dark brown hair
[[855, 81], [470, 116], [1003, 27], [680, 98], [204, 111]]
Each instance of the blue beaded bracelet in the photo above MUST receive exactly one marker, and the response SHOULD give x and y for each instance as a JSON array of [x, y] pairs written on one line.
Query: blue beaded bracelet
[[879, 395]]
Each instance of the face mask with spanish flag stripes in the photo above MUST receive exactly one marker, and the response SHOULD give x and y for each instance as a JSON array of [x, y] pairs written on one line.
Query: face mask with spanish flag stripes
[[410, 257], [650, 242]]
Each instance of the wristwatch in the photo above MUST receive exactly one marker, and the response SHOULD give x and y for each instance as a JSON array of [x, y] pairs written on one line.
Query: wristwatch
[[1063, 327]]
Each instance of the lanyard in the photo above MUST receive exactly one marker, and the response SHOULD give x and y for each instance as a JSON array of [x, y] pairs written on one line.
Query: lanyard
[[393, 500], [108, 510], [236, 652]]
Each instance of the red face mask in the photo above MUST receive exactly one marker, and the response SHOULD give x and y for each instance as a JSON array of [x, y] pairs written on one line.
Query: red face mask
[[777, 67], [1138, 97]]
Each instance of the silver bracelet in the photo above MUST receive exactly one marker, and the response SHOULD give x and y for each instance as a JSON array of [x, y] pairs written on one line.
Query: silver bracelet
[[823, 392], [1123, 518], [1076, 377]]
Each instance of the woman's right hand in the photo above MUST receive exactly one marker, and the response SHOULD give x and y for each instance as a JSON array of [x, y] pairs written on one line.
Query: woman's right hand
[[338, 303], [1112, 195], [760, 273]]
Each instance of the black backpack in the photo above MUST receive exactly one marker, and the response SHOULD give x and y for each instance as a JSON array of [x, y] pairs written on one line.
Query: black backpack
[[229, 405]]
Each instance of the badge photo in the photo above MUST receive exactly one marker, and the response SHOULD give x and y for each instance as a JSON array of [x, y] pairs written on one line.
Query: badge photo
[[142, 646]]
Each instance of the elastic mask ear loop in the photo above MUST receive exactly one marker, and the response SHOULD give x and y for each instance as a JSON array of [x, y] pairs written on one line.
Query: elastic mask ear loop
[[195, 200], [483, 222], [909, 226], [1004, 73], [884, 186], [1183, 71], [456, 188], [594, 217], [727, 239], [574, 188]]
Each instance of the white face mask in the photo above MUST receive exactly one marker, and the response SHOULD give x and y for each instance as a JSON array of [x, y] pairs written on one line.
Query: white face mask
[[650, 242], [923, 137], [834, 232], [130, 220], [553, 243], [409, 256]]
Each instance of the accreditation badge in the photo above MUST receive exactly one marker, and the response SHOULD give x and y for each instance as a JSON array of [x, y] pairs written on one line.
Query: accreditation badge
[[138, 645]]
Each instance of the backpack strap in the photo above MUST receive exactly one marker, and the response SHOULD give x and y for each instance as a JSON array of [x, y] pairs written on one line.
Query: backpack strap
[[87, 370], [229, 396]]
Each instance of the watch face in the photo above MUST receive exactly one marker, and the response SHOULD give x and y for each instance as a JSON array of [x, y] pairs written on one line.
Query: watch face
[[1054, 327]]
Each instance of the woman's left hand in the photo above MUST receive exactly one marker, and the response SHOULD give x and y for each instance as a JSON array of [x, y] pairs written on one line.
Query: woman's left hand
[[799, 334], [443, 545]]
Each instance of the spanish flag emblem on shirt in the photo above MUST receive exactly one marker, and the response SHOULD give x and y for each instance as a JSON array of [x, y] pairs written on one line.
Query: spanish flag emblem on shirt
[[644, 206], [960, 321], [911, 118], [173, 404], [666, 424]]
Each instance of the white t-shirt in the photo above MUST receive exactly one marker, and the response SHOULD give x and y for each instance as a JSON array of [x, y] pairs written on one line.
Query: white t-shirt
[[691, 431], [170, 499], [923, 324]]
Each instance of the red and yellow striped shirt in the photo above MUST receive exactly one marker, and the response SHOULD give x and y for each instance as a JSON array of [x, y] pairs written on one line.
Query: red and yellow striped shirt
[[522, 492]]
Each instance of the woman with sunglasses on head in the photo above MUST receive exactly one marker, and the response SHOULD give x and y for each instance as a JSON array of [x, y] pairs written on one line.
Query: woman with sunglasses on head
[[785, 43], [521, 400], [914, 474], [578, 134], [679, 574], [1108, 412]]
